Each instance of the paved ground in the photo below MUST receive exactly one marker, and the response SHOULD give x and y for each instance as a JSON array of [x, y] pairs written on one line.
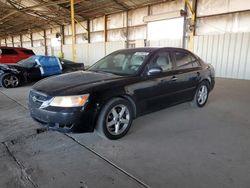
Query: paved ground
[[181, 146]]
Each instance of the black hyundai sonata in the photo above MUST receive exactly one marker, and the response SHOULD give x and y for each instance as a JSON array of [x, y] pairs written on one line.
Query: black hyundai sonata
[[120, 87]]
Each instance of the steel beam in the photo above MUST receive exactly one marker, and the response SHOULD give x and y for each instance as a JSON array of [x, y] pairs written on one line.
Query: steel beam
[[88, 29], [73, 30], [45, 42]]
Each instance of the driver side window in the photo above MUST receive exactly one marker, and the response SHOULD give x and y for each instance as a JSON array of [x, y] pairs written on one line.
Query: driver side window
[[162, 60]]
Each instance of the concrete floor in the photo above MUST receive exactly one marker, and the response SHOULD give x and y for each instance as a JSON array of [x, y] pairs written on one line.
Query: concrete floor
[[181, 146]]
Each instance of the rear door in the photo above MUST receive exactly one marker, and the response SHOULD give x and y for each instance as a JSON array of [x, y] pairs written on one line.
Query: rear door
[[8, 55], [188, 70]]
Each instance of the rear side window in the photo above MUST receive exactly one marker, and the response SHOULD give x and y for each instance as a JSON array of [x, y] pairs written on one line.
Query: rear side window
[[185, 61], [28, 52], [7, 52]]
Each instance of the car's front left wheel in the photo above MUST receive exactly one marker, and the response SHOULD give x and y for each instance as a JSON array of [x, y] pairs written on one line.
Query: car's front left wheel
[[115, 118], [9, 80]]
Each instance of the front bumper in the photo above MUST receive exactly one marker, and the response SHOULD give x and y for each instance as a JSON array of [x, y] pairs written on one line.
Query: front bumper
[[74, 120]]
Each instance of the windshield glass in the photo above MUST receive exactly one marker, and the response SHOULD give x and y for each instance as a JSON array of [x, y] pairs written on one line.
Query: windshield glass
[[121, 63], [28, 63]]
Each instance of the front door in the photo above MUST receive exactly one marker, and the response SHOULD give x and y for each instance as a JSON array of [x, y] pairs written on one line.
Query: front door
[[162, 86]]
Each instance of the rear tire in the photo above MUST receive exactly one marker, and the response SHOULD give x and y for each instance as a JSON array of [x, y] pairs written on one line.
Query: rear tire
[[201, 95], [8, 80], [115, 119]]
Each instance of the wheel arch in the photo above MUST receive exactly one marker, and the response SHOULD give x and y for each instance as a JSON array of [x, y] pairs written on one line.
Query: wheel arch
[[208, 81], [131, 101]]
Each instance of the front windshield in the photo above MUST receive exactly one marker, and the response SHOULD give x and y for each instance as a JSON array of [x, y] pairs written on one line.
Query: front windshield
[[28, 63], [121, 63]]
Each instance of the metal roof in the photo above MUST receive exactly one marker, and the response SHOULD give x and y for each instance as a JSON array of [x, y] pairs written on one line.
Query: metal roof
[[20, 16]]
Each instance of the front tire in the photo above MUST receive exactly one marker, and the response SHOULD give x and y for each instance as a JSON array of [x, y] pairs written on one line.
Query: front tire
[[9, 80], [201, 95], [115, 119]]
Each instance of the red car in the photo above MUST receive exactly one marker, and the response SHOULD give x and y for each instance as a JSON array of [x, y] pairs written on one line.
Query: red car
[[13, 55]]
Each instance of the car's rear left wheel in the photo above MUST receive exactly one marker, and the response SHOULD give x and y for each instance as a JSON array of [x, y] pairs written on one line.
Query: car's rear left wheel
[[9, 80], [201, 96], [115, 119]]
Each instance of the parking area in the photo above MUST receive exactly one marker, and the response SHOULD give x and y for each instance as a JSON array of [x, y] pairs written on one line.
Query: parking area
[[181, 146]]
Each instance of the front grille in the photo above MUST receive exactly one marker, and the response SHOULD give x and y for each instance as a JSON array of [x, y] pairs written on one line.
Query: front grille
[[37, 98]]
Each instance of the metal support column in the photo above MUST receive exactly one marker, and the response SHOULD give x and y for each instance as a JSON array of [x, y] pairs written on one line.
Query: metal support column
[[21, 40], [192, 9], [88, 29], [62, 41], [45, 42], [73, 30], [127, 30], [31, 40], [12, 40], [105, 34]]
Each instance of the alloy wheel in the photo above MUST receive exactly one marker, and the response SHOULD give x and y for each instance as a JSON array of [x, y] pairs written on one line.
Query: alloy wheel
[[11, 81], [202, 94], [118, 119]]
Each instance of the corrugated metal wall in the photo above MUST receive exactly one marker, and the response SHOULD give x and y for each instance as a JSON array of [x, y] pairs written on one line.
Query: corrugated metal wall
[[166, 42], [229, 53], [90, 53]]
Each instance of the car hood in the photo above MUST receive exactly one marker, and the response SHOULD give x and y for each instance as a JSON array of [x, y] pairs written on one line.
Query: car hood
[[8, 66], [74, 83]]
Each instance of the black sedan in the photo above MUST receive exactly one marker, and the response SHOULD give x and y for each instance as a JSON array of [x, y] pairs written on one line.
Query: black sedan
[[35, 68], [120, 87]]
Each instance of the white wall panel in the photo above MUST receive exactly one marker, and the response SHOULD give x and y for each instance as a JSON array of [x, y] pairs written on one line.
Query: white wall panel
[[2, 42], [165, 43], [26, 38], [116, 20], [230, 23], [162, 8], [38, 50], [81, 28], [135, 17], [38, 35], [211, 7], [136, 33], [139, 43], [82, 53], [97, 24], [97, 37], [228, 53], [67, 51], [116, 35], [96, 52], [113, 46]]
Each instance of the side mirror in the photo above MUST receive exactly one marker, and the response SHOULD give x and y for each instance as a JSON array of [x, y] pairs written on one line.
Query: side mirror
[[154, 71]]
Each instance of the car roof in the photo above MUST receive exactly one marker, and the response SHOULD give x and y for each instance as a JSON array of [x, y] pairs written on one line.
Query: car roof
[[18, 48], [150, 49]]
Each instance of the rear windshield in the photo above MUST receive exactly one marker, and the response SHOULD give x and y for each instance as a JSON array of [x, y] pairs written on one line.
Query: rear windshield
[[28, 52], [7, 51]]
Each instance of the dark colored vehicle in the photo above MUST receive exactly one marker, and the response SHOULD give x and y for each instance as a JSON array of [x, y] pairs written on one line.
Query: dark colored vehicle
[[120, 87], [35, 68], [10, 55]]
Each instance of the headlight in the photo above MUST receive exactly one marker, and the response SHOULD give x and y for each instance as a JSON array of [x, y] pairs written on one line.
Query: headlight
[[69, 101]]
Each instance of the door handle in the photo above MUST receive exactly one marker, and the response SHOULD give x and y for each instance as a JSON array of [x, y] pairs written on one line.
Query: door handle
[[174, 78]]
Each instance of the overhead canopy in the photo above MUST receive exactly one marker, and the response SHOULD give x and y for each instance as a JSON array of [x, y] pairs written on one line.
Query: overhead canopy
[[20, 16]]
